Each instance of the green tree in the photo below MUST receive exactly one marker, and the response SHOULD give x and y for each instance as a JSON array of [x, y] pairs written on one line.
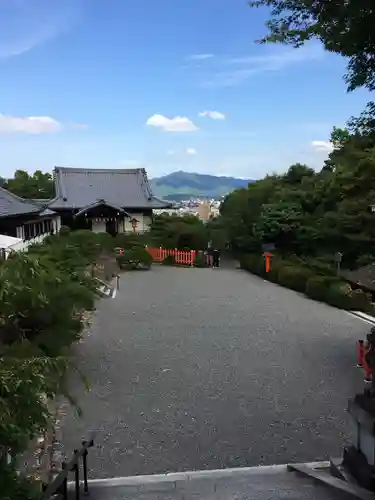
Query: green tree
[[38, 185], [343, 26], [297, 172], [313, 214], [182, 232]]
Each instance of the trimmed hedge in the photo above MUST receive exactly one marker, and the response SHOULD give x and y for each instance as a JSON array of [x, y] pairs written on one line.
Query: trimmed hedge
[[329, 289], [135, 258], [294, 277]]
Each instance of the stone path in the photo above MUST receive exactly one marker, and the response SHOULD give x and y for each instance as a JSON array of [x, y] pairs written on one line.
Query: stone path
[[204, 369]]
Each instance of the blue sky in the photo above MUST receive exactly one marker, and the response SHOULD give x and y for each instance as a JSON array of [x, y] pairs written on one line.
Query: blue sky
[[168, 85]]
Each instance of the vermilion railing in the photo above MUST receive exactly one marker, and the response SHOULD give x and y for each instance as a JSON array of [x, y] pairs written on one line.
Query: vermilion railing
[[181, 257]]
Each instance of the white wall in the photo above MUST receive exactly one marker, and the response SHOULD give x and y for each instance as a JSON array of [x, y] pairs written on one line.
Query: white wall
[[24, 244], [143, 225], [98, 226]]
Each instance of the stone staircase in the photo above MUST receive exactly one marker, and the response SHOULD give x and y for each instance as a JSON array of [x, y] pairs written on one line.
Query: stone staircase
[[276, 482]]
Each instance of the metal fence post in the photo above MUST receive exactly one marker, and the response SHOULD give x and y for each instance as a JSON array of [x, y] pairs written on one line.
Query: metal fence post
[[84, 462], [76, 477], [65, 483]]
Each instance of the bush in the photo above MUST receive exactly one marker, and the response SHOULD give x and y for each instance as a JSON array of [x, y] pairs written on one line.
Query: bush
[[316, 288], [273, 274], [40, 303], [135, 258], [200, 260], [361, 301], [254, 264], [170, 260], [64, 231], [128, 241], [326, 288], [339, 295], [44, 295], [294, 277], [16, 486]]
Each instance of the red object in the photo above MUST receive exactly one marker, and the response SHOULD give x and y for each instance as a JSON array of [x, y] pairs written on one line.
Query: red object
[[134, 224], [121, 252], [366, 367], [182, 257], [267, 256], [360, 353]]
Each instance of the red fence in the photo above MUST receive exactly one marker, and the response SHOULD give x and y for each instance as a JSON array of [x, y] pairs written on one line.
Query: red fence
[[181, 257]]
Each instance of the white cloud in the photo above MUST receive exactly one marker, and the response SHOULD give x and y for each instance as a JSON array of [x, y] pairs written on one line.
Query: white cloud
[[325, 146], [28, 124], [241, 69], [176, 124], [200, 57], [214, 115], [191, 151]]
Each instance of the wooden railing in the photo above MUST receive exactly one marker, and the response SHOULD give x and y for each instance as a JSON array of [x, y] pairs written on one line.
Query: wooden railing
[[59, 485], [181, 256]]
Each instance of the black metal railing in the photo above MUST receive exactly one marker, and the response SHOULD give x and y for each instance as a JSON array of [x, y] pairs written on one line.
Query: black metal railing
[[59, 485]]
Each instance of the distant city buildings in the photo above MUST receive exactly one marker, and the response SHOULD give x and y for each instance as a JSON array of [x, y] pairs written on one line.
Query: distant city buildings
[[204, 209]]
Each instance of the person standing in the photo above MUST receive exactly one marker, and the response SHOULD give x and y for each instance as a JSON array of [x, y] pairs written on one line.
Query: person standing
[[209, 254], [216, 257]]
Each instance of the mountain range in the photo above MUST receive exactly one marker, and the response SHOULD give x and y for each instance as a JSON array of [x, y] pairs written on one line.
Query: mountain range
[[180, 185]]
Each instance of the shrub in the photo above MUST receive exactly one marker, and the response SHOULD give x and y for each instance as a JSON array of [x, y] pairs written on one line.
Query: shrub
[[361, 301], [135, 258], [64, 231], [40, 303], [273, 274], [170, 260], [253, 263], [316, 288], [339, 295], [44, 294], [128, 241], [16, 486], [294, 277], [200, 260]]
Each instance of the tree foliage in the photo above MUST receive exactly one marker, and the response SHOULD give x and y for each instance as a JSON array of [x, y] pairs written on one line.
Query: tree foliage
[[38, 185], [313, 214], [173, 231], [44, 294], [343, 26]]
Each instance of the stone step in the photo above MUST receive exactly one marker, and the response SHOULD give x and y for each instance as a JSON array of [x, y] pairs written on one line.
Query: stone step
[[248, 483]]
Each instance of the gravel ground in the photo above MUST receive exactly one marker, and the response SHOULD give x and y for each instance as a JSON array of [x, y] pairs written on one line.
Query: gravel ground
[[202, 369]]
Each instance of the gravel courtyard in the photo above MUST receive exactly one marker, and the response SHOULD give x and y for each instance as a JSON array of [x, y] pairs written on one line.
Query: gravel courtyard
[[202, 369]]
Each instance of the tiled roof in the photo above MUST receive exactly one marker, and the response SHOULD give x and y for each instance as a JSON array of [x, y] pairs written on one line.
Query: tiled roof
[[11, 204], [80, 187], [43, 202], [99, 203]]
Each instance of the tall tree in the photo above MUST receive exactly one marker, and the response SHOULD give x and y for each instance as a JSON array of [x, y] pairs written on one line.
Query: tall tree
[[38, 185], [313, 215], [345, 27]]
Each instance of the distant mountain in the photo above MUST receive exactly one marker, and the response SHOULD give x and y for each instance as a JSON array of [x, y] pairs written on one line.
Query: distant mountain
[[184, 185]]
